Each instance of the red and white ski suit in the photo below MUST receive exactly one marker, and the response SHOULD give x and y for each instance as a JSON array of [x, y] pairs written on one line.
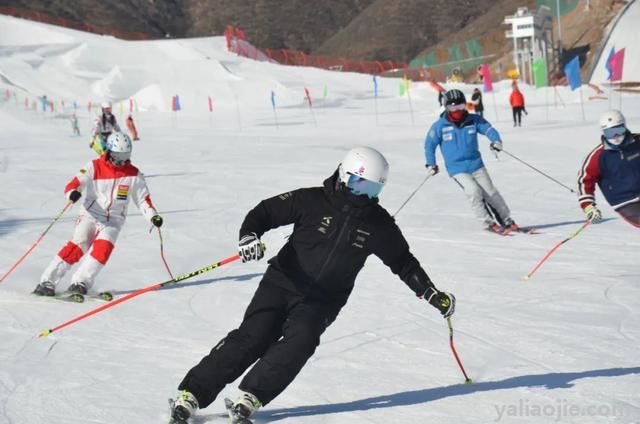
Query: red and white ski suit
[[107, 190]]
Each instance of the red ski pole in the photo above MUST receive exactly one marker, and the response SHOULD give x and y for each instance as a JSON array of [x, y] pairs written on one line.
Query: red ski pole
[[554, 248], [467, 380], [113, 303], [33, 246]]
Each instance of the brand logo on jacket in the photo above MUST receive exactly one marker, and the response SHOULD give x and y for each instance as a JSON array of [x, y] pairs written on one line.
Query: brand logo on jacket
[[361, 238], [324, 224], [123, 192]]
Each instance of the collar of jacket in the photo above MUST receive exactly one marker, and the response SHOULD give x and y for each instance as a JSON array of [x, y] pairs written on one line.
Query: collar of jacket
[[629, 139], [460, 124], [345, 201]]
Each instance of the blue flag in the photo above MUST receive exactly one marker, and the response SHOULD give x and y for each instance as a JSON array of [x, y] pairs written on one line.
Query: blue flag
[[375, 86], [273, 99], [607, 65], [572, 71], [178, 103]]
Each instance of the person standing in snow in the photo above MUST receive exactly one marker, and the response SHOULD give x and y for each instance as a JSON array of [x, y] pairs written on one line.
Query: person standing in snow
[[614, 165], [336, 227], [476, 100], [456, 132], [516, 99], [108, 183], [74, 124], [105, 124]]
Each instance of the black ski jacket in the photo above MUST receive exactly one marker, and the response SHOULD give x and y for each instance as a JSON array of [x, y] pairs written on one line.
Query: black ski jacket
[[334, 232]]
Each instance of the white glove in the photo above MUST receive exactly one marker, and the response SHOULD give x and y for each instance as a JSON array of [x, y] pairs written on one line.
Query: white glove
[[496, 147], [250, 248], [593, 213]]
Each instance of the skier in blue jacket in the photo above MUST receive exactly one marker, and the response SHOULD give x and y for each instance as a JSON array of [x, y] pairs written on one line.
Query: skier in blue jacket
[[456, 132]]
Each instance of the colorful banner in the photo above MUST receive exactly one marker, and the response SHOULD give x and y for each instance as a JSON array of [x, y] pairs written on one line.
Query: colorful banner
[[572, 71], [616, 63], [210, 102], [540, 74], [273, 99], [607, 64], [486, 78], [375, 86]]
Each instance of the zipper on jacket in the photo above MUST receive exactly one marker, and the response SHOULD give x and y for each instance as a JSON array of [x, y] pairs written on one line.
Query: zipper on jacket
[[111, 200], [335, 246]]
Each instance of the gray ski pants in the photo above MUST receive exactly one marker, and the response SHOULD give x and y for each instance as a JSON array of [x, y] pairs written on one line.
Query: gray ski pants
[[480, 189]]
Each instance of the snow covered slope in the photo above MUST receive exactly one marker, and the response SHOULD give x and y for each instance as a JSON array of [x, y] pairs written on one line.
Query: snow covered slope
[[562, 347]]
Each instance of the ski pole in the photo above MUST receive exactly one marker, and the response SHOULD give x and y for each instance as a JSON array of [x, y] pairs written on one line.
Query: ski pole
[[33, 246], [429, 175], [538, 171], [113, 303], [162, 254], [467, 380], [575, 233]]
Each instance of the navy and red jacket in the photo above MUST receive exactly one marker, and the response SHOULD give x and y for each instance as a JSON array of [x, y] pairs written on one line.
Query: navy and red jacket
[[615, 169]]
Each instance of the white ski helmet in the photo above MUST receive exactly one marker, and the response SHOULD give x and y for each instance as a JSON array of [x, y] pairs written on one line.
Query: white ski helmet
[[119, 148], [613, 126], [364, 171], [106, 105], [611, 118]]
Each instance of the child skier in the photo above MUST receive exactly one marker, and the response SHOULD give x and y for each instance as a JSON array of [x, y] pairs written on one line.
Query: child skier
[[105, 124], [108, 184]]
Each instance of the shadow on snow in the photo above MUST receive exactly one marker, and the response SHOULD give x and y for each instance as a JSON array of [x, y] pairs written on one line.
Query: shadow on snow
[[416, 397]]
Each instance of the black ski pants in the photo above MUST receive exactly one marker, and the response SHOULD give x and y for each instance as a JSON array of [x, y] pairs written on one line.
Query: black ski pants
[[631, 213], [280, 331], [517, 115]]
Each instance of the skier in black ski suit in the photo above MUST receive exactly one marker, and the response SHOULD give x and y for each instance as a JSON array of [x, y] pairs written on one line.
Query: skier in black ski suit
[[336, 227]]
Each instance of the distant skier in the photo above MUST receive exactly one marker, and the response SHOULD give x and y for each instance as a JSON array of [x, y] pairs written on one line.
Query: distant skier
[[105, 124], [456, 134], [476, 100], [336, 227], [615, 167], [108, 183], [516, 99], [74, 124]]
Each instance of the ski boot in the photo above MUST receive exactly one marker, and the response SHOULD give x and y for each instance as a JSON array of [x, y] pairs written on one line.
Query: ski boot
[[183, 407], [46, 288], [78, 288], [244, 407], [494, 228]]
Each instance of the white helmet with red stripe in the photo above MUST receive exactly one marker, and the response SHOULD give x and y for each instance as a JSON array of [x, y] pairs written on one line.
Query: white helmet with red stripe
[[364, 171]]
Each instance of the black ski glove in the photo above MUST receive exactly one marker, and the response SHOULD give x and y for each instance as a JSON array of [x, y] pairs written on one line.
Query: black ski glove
[[74, 196], [157, 221], [443, 301]]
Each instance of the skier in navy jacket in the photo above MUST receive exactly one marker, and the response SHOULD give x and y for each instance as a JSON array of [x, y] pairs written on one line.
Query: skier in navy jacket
[[456, 132], [615, 167]]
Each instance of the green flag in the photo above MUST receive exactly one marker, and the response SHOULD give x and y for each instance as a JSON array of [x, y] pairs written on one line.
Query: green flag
[[540, 73], [401, 92], [326, 91]]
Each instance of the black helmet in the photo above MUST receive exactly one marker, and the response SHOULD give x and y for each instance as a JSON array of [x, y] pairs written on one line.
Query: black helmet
[[454, 97]]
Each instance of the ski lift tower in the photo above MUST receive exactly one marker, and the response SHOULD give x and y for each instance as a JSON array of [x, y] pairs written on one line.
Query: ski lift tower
[[532, 36]]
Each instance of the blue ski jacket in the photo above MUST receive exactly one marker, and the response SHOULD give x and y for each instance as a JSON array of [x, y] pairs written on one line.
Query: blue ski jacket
[[458, 143]]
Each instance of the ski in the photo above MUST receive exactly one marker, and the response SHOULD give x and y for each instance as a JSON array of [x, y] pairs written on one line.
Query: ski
[[233, 415], [80, 298], [522, 230]]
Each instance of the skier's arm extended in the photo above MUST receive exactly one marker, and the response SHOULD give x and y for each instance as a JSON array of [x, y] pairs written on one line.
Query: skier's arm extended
[[272, 213]]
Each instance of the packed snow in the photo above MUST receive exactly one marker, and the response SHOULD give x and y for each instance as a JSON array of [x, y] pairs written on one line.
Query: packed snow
[[562, 347]]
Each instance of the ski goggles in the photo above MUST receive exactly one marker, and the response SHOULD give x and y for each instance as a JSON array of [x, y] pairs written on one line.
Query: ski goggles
[[362, 186], [119, 158], [453, 108], [615, 135]]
